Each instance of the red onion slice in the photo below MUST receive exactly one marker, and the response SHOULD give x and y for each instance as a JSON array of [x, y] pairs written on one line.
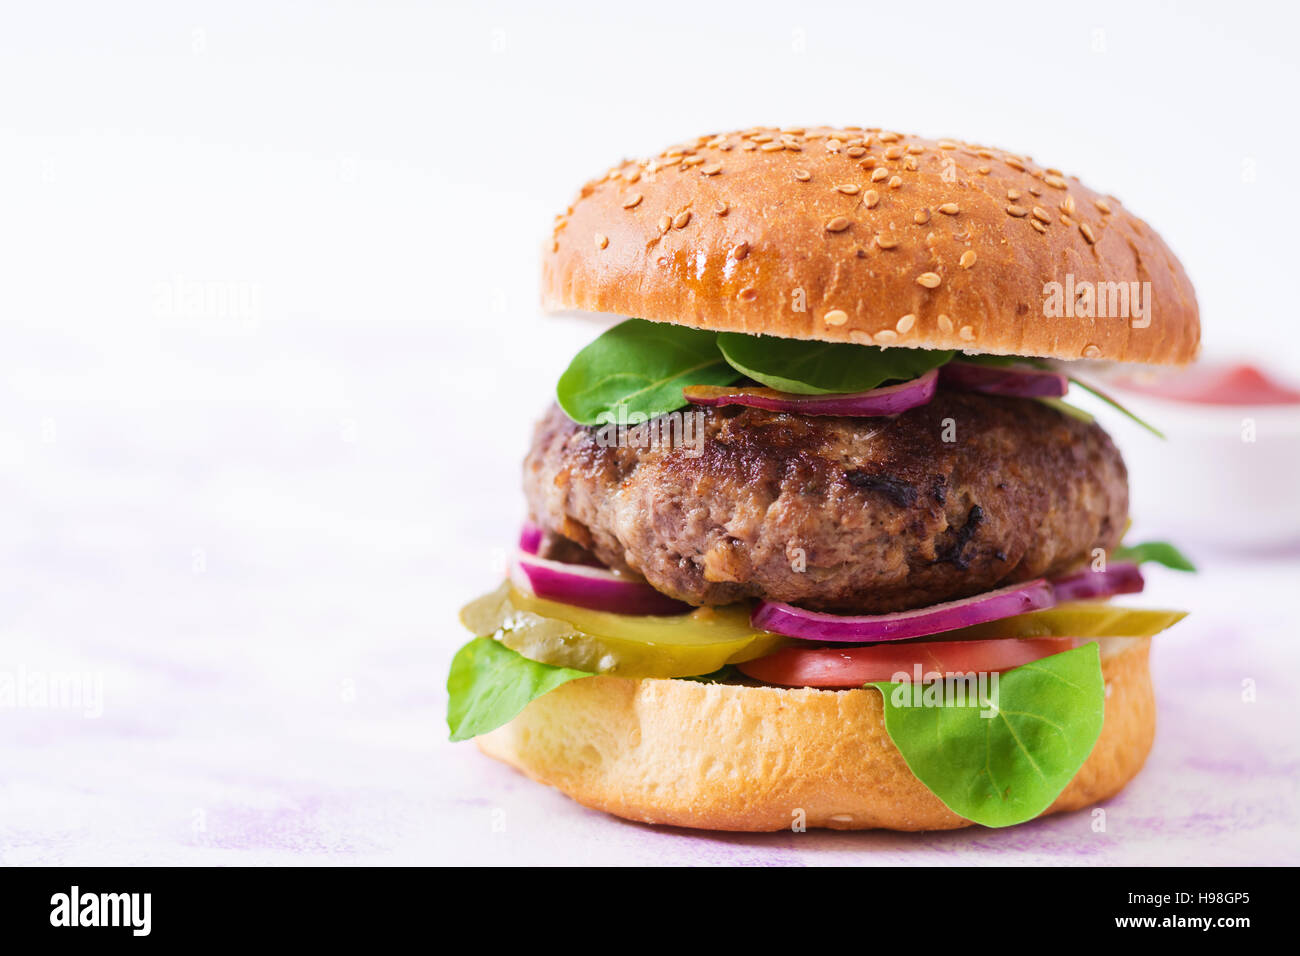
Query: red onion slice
[[820, 626], [1012, 381], [598, 589], [1122, 578], [530, 538], [889, 400]]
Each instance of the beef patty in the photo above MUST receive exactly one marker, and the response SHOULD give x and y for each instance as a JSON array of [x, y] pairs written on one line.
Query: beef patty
[[967, 493]]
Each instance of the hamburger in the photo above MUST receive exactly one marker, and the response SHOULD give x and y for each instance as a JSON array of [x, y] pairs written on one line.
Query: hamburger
[[814, 538]]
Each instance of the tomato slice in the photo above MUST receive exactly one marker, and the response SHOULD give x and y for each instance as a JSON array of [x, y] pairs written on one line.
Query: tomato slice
[[844, 667]]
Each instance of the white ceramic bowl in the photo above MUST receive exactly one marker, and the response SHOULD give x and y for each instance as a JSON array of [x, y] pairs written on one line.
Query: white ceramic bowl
[[1228, 475]]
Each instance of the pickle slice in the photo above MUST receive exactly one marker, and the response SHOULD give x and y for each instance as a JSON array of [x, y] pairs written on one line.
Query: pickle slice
[[1073, 619], [624, 645]]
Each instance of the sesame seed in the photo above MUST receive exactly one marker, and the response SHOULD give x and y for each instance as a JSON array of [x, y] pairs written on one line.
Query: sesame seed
[[947, 144], [886, 243], [860, 338], [967, 332], [950, 209], [967, 259], [856, 151], [1056, 182], [1069, 205], [870, 198], [1091, 351], [712, 169], [1041, 214], [910, 164], [915, 148], [632, 200], [983, 170], [681, 219], [945, 324], [692, 161], [1017, 211], [1038, 225], [879, 173], [833, 145], [921, 216], [835, 317], [802, 175], [601, 241], [930, 280], [772, 147], [739, 251], [838, 224], [1014, 163], [1088, 233], [665, 222], [895, 182], [905, 324], [894, 152], [1013, 194], [720, 207], [890, 137], [849, 189], [1102, 205], [886, 335]]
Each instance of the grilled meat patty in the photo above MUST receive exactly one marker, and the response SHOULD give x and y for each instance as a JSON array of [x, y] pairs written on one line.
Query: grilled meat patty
[[967, 493]]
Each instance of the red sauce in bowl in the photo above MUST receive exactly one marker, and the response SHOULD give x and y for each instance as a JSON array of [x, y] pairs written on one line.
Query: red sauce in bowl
[[1239, 384]]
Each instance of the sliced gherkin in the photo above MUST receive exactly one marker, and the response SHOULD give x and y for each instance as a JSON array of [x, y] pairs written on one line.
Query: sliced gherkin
[[1073, 619], [623, 645]]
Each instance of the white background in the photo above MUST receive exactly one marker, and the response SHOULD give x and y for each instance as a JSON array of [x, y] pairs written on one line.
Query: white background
[[253, 515]]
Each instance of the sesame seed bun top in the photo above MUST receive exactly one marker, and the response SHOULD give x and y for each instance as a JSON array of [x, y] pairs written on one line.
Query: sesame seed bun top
[[873, 237]]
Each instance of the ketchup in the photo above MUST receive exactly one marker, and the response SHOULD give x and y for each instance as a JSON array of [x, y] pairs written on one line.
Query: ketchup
[[1239, 384]]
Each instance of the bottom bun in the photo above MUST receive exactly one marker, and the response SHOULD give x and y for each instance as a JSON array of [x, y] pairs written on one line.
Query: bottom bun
[[729, 757]]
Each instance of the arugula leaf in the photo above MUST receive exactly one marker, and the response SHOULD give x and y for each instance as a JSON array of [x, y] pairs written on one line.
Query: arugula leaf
[[822, 368], [1159, 552], [1065, 408], [1008, 768], [490, 684], [1003, 361], [1117, 406], [637, 370]]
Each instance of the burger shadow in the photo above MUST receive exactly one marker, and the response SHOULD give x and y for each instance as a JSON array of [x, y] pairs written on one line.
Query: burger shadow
[[786, 846]]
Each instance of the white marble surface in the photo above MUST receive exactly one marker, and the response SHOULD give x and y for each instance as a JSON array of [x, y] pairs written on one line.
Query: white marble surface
[[269, 356]]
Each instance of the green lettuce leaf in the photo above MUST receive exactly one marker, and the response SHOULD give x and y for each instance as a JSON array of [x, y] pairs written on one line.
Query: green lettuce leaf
[[1114, 403], [822, 368], [637, 370], [490, 684], [1158, 552], [1007, 768]]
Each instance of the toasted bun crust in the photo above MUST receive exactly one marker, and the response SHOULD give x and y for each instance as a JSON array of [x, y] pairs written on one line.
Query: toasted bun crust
[[858, 235], [724, 757]]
